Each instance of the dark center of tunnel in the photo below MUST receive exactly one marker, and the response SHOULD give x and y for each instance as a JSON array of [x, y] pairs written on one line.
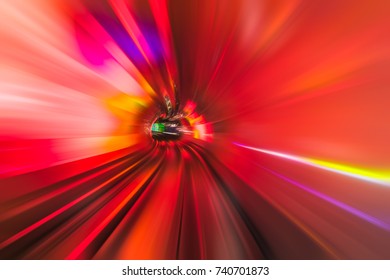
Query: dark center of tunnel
[[173, 123], [167, 129]]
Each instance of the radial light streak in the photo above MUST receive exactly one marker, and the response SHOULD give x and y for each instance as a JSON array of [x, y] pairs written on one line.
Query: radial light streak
[[335, 202], [373, 176]]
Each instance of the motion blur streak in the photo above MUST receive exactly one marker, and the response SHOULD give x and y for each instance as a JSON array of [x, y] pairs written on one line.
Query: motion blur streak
[[197, 129], [368, 175]]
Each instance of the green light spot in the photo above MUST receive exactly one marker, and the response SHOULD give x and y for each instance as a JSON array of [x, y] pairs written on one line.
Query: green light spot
[[158, 127]]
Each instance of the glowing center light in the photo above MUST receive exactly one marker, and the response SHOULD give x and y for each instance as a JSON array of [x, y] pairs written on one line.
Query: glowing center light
[[185, 123], [166, 130]]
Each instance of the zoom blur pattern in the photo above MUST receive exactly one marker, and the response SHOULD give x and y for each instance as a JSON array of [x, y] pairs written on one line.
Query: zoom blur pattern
[[197, 129]]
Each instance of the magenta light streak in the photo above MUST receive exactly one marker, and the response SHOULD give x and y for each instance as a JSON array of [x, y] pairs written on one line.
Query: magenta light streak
[[349, 209]]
